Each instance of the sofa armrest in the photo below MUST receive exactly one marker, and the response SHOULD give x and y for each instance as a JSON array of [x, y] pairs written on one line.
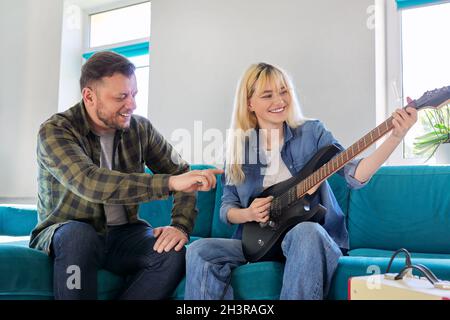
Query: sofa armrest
[[17, 220]]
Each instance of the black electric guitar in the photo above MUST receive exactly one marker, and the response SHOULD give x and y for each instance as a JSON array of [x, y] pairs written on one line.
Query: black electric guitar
[[293, 204]]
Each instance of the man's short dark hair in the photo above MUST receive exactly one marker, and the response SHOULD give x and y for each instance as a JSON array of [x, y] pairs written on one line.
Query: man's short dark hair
[[104, 64]]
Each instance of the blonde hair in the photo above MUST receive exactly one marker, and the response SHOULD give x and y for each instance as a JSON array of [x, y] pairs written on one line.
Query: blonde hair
[[255, 78]]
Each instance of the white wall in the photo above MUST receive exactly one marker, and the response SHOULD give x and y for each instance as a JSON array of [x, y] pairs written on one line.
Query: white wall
[[73, 27], [30, 35], [199, 49]]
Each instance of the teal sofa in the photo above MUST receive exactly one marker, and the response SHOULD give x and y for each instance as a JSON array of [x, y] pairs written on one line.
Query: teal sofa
[[401, 207]]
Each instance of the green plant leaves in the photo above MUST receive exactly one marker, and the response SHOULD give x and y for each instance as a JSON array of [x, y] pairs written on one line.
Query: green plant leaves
[[439, 121]]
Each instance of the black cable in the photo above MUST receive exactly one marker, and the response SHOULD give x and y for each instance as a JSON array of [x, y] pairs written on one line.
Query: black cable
[[427, 272], [419, 267], [408, 258], [424, 270]]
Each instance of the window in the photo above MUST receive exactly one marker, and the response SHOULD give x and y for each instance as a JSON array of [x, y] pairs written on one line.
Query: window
[[425, 58], [120, 25], [125, 30], [415, 60]]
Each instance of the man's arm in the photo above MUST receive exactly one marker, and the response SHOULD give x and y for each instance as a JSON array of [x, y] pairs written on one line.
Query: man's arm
[[403, 121], [61, 154], [162, 158]]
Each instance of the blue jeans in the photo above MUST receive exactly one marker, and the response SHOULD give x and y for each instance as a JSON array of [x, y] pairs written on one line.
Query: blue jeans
[[311, 259], [126, 250]]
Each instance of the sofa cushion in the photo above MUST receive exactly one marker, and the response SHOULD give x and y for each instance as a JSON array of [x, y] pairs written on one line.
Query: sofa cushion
[[263, 280], [258, 281], [340, 191], [158, 212], [252, 281], [17, 220], [402, 207], [109, 284], [17, 282]]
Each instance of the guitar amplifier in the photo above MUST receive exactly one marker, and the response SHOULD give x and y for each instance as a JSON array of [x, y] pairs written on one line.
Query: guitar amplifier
[[400, 286], [385, 287]]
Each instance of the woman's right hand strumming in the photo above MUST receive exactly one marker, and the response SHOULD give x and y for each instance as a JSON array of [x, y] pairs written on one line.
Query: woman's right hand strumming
[[258, 211]]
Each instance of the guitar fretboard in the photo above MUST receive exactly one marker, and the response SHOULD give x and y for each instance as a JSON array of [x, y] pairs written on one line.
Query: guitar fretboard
[[340, 160]]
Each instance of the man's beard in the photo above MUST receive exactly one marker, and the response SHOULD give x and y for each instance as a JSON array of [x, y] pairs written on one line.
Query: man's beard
[[109, 122]]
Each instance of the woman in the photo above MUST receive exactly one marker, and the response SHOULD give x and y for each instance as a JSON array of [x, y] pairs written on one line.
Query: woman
[[270, 142]]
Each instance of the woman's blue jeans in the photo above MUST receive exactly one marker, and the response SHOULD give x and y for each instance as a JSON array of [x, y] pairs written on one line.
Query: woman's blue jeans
[[311, 259]]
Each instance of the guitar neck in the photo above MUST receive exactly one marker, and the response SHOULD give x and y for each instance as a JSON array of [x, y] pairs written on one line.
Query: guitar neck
[[343, 158]]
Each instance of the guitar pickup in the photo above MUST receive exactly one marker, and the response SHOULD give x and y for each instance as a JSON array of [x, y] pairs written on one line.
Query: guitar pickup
[[270, 223]]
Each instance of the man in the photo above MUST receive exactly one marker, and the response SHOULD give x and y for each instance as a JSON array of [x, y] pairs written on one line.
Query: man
[[91, 179]]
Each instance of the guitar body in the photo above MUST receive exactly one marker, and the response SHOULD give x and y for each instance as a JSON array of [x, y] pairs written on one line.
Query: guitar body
[[263, 243]]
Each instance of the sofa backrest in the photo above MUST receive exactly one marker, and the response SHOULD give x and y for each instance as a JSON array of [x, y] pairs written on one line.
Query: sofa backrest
[[218, 228], [407, 206], [158, 212], [17, 220], [404, 206]]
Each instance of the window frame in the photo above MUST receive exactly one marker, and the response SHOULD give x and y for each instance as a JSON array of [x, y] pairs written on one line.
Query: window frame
[[105, 8], [393, 80], [133, 48], [389, 59]]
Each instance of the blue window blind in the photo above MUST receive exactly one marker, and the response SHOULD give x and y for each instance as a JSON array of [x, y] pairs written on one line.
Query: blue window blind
[[131, 50], [403, 4]]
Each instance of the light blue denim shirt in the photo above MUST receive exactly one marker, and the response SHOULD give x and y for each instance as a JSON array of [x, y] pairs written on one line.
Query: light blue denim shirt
[[300, 145]]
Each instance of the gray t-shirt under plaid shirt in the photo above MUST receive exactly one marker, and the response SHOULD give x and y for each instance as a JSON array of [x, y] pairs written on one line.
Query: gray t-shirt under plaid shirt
[[115, 213]]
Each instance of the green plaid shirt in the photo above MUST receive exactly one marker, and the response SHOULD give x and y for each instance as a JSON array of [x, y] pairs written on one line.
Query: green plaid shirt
[[72, 186]]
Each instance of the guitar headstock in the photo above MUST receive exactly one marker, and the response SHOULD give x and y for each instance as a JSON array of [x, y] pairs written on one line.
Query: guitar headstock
[[432, 99]]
